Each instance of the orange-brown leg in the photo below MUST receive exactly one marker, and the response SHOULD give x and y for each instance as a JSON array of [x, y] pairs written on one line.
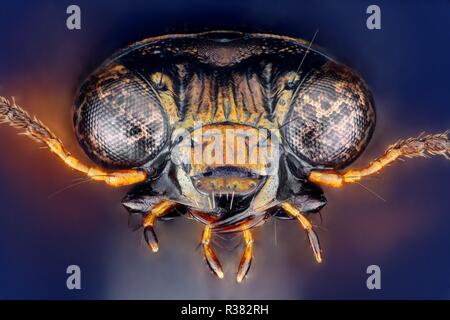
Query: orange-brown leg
[[307, 226], [247, 257], [157, 211], [210, 257], [422, 146]]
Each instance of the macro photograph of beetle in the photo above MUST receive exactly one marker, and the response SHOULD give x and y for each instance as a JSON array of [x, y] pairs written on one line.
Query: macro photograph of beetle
[[224, 150]]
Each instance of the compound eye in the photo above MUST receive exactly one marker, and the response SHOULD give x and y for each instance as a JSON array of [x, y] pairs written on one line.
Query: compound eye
[[118, 119], [332, 117]]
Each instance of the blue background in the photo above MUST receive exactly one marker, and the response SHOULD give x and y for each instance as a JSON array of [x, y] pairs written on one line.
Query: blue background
[[407, 66]]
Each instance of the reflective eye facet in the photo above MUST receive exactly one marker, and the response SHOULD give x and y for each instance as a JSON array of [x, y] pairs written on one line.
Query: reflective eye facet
[[118, 119], [332, 118]]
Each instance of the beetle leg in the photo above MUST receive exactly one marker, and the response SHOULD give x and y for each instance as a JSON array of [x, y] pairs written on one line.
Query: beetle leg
[[157, 211], [306, 224], [247, 257], [422, 146], [210, 257], [17, 117]]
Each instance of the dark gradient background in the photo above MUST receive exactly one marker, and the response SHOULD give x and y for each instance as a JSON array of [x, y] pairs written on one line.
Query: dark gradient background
[[407, 66]]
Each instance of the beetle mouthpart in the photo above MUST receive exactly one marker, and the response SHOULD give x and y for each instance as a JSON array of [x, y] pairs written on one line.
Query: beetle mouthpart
[[227, 185], [151, 238], [247, 257], [210, 256], [225, 181], [315, 245], [212, 261]]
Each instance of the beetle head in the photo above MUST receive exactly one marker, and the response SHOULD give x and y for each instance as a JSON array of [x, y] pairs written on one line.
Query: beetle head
[[225, 123]]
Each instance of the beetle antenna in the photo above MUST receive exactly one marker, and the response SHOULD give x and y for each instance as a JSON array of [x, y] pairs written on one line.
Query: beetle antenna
[[15, 116], [422, 146]]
